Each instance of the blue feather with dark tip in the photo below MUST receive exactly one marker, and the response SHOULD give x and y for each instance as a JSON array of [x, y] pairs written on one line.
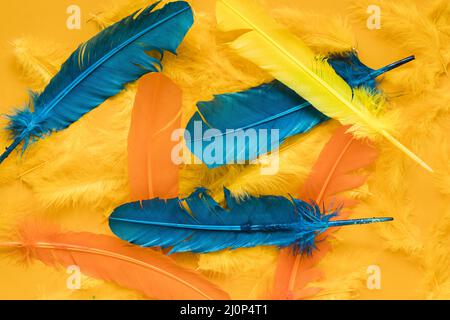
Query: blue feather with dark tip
[[100, 69], [199, 224], [223, 130]]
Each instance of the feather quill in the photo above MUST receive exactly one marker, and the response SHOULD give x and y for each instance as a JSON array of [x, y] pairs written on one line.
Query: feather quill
[[113, 58], [271, 106], [199, 224], [156, 114], [283, 55], [107, 258], [330, 176]]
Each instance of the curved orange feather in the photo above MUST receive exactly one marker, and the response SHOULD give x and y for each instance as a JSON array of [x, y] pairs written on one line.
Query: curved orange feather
[[156, 114], [110, 259], [330, 175]]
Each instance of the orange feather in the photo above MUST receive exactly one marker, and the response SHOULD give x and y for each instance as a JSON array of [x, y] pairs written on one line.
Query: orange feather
[[156, 114], [110, 259], [330, 175]]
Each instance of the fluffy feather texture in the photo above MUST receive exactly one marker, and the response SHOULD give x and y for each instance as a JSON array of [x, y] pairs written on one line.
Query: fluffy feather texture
[[86, 168], [253, 281], [227, 262], [68, 96], [268, 107], [323, 33], [104, 257], [420, 209], [330, 176], [34, 64], [293, 63], [114, 12], [422, 30], [156, 114], [199, 224]]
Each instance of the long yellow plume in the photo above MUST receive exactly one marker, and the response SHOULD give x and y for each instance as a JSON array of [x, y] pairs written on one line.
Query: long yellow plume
[[289, 60]]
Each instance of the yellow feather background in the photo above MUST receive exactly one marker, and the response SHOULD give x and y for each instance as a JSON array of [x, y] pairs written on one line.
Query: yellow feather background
[[75, 177]]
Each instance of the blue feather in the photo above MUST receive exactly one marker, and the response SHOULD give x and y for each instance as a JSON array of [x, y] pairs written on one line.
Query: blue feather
[[100, 69], [356, 74], [269, 106], [217, 133], [199, 224]]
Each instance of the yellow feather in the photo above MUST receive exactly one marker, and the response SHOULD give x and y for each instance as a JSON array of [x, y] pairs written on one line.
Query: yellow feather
[[250, 281], [240, 260], [91, 289], [38, 60], [321, 32], [344, 284], [119, 9], [290, 61]]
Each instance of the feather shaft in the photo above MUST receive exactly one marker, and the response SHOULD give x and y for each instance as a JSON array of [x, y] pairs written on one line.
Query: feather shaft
[[255, 227], [376, 73]]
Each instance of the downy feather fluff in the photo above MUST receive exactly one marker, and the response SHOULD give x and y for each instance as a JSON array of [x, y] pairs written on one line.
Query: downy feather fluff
[[271, 106], [293, 63], [37, 60], [420, 28], [323, 33], [199, 224], [113, 58], [105, 257]]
